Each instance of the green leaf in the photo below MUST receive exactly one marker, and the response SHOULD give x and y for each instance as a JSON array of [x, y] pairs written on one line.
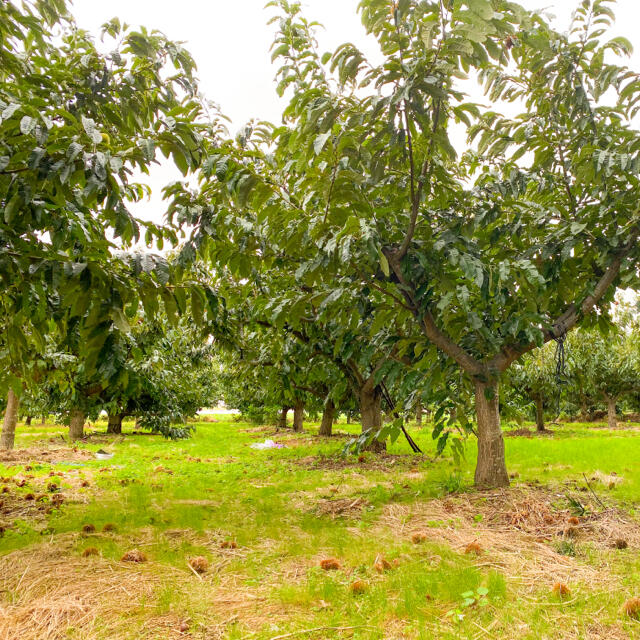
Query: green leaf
[[320, 141], [27, 125], [120, 320], [384, 263]]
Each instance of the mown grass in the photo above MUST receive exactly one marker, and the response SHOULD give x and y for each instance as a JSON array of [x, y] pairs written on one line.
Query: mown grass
[[214, 487]]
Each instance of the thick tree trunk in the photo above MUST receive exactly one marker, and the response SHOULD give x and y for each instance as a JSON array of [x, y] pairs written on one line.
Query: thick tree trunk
[[114, 425], [298, 416], [612, 420], [539, 415], [282, 418], [326, 425], [8, 437], [419, 413], [27, 421], [371, 415], [491, 470], [76, 425]]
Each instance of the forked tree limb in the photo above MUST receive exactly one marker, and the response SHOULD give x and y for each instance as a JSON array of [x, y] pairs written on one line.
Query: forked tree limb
[[440, 339], [569, 319]]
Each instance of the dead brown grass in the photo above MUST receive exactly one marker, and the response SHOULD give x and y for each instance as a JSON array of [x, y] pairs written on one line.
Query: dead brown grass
[[32, 455], [341, 507], [48, 589], [517, 530], [384, 462]]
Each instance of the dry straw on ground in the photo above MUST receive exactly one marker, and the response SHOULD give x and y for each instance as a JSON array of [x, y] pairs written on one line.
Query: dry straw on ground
[[54, 589], [43, 456], [517, 529]]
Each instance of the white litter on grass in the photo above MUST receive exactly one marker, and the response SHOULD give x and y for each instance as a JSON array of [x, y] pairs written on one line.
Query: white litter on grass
[[103, 455], [267, 444]]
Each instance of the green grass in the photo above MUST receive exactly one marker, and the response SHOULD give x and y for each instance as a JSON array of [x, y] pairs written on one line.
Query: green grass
[[162, 500]]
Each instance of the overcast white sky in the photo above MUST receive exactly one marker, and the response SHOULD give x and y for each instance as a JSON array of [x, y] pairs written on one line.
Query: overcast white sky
[[230, 41]]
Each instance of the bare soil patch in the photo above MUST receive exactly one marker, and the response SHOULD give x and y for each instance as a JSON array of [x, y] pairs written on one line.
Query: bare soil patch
[[523, 432], [379, 462], [35, 455]]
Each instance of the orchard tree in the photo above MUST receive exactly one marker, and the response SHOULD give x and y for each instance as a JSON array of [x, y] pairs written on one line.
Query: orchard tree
[[608, 363], [159, 373], [535, 379], [74, 125], [293, 372], [486, 254]]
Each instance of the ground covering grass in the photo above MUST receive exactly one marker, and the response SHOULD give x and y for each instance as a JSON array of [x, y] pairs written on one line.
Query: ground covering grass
[[420, 554]]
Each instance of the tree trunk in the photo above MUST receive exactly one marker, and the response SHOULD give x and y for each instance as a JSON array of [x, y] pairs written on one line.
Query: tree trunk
[[282, 419], [8, 437], [539, 415], [76, 425], [27, 421], [419, 413], [491, 470], [114, 424], [612, 420], [584, 413], [326, 425], [298, 416], [371, 415], [44, 420], [349, 417]]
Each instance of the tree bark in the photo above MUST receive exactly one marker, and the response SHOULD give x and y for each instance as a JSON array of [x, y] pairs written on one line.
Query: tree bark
[[326, 425], [282, 419], [612, 420], [76, 425], [539, 415], [44, 420], [8, 437], [27, 421], [298, 416], [584, 413], [419, 413], [491, 469], [114, 425], [371, 415], [349, 417]]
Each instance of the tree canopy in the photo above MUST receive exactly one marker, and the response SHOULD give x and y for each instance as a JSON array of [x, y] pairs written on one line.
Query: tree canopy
[[484, 253]]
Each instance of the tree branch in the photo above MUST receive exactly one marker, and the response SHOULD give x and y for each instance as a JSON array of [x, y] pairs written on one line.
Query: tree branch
[[567, 320], [431, 329]]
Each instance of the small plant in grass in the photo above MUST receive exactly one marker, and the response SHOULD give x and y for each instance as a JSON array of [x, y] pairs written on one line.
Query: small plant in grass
[[453, 483], [576, 507], [469, 599], [566, 548]]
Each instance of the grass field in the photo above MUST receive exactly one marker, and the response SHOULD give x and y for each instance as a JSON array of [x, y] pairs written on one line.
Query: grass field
[[420, 554]]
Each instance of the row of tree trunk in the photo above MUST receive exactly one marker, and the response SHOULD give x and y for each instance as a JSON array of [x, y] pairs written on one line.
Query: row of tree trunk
[[370, 412], [612, 418], [370, 409], [76, 422]]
